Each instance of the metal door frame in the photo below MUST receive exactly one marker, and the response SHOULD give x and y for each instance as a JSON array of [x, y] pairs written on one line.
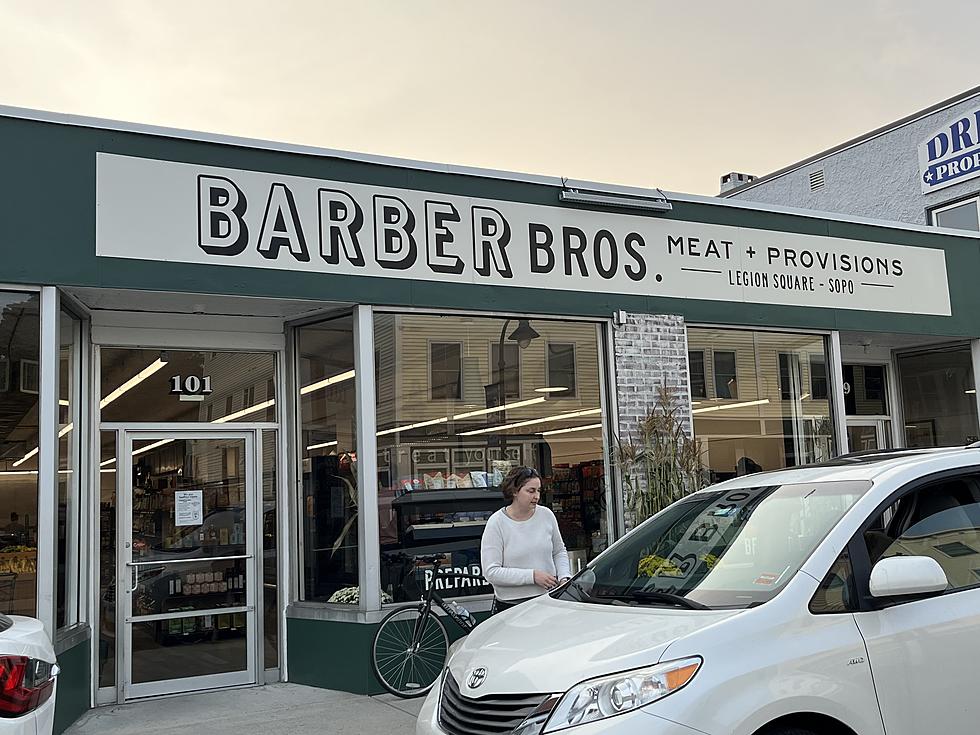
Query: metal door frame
[[125, 689]]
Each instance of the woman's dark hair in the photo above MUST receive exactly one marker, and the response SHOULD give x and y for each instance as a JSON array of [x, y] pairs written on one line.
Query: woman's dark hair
[[516, 479]]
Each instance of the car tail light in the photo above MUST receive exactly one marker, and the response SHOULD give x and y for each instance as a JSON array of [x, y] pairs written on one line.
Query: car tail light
[[25, 684]]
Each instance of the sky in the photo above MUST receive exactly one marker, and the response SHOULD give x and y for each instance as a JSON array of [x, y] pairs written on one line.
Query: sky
[[643, 93]]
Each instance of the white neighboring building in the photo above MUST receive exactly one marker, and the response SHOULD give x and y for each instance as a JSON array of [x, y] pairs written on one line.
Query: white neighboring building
[[922, 169]]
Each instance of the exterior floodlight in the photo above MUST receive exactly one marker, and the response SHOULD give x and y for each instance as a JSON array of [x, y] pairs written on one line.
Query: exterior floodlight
[[658, 204]]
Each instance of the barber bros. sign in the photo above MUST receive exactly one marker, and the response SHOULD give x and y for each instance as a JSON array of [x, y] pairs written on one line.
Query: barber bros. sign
[[166, 211], [951, 154]]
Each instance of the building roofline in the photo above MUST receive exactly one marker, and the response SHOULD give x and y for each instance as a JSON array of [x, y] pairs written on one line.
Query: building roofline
[[817, 214], [559, 182], [915, 116]]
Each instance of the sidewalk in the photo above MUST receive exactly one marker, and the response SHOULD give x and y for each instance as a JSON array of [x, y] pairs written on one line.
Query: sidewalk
[[285, 709]]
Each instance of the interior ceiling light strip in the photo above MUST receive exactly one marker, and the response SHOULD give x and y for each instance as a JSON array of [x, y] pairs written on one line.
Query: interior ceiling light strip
[[128, 385], [154, 445], [505, 407], [147, 448], [543, 419], [574, 428], [742, 404], [467, 415], [32, 472], [319, 385], [333, 380], [321, 446], [132, 382], [245, 411], [419, 425], [224, 419]]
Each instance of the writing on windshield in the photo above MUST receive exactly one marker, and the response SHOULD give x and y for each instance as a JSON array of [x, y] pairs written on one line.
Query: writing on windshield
[[720, 548]]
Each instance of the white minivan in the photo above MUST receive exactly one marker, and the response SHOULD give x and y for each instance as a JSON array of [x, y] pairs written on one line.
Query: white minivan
[[836, 599]]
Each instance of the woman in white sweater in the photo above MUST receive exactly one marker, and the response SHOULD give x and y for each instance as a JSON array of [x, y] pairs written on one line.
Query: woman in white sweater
[[522, 552]]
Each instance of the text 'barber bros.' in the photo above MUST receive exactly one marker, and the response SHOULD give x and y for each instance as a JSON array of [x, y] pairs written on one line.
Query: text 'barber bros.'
[[439, 236]]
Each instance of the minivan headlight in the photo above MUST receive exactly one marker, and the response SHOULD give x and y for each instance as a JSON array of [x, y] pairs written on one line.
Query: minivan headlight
[[597, 699]]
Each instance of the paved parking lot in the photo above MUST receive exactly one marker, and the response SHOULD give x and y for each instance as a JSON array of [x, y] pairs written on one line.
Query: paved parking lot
[[285, 709]]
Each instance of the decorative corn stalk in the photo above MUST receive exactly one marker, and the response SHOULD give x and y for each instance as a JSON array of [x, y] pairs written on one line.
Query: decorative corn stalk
[[658, 461]]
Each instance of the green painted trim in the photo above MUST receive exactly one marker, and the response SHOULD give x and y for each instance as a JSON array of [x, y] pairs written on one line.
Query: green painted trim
[[335, 655], [74, 685], [47, 236]]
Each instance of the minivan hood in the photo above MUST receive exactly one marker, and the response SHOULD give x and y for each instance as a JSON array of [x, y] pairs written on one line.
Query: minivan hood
[[547, 645]]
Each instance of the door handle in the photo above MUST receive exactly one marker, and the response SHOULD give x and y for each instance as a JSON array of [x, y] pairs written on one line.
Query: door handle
[[136, 578]]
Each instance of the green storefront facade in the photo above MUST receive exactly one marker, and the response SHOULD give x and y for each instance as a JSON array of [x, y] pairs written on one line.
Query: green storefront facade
[[313, 366]]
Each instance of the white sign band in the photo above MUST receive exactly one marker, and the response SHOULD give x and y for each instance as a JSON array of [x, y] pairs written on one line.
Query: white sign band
[[177, 212]]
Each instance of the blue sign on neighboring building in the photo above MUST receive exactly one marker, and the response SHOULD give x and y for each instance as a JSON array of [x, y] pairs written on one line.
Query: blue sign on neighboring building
[[952, 154]]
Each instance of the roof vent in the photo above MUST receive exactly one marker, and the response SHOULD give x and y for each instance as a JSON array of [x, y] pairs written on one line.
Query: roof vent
[[735, 179], [816, 180]]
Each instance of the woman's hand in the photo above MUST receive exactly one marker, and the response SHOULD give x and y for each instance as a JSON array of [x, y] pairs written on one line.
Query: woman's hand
[[543, 579]]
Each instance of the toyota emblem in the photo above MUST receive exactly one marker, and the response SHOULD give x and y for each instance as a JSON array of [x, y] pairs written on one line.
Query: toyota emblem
[[476, 677]]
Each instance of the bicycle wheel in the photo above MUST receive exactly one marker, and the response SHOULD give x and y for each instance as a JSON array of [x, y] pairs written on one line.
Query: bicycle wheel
[[403, 669]]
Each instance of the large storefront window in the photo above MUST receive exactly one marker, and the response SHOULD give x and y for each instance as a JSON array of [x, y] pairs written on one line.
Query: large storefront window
[[327, 410], [939, 398], [456, 411], [765, 402], [19, 392]]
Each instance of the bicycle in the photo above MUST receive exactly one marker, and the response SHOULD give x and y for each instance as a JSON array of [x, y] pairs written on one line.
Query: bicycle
[[410, 648]]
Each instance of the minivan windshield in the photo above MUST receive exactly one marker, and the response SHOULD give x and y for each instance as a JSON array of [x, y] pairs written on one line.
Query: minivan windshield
[[732, 548]]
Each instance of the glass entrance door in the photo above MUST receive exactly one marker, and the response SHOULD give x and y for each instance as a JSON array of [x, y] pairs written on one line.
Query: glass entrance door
[[186, 573]]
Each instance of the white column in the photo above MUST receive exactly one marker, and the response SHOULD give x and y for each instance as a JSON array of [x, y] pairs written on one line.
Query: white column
[[368, 540], [47, 477], [837, 393]]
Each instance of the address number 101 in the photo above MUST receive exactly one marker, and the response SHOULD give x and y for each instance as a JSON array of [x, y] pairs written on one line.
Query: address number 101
[[190, 385]]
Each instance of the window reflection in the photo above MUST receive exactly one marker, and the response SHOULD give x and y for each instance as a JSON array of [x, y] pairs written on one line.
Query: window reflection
[[19, 392], [938, 395], [328, 424], [768, 406], [513, 392], [176, 385]]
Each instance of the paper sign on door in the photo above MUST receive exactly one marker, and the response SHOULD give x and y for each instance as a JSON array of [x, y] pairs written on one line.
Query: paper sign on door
[[188, 507]]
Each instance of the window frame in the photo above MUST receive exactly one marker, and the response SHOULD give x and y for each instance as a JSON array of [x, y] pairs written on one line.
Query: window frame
[[573, 393], [786, 391], [429, 372], [953, 204], [704, 374], [822, 357], [861, 559], [714, 373], [492, 366]]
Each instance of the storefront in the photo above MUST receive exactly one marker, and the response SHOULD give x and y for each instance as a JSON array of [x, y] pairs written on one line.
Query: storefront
[[244, 385]]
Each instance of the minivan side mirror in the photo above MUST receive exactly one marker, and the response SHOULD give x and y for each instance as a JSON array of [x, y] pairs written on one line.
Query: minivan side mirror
[[907, 575]]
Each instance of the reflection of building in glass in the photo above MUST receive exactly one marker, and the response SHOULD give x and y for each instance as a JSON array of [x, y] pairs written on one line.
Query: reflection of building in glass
[[19, 355], [763, 400], [447, 433]]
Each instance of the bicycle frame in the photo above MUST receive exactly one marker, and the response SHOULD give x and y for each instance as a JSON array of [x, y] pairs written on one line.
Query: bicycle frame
[[425, 606]]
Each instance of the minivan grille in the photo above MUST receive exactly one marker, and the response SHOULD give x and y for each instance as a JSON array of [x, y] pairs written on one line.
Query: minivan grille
[[490, 715]]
